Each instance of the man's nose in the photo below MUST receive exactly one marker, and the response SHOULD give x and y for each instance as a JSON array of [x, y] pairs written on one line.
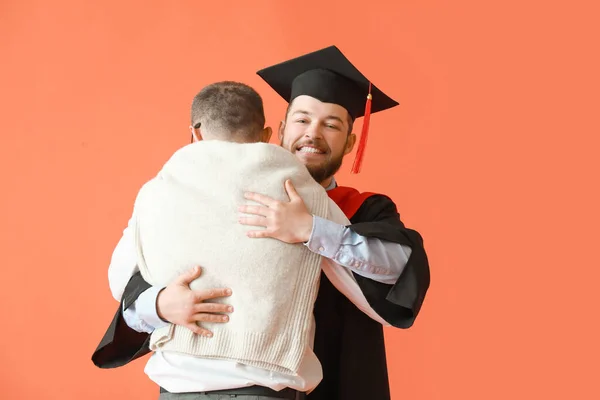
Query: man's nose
[[313, 131]]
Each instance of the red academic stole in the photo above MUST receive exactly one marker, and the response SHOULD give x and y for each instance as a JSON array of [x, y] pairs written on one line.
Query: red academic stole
[[348, 199]]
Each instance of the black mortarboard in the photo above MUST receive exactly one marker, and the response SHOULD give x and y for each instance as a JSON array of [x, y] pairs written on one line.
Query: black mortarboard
[[330, 77]]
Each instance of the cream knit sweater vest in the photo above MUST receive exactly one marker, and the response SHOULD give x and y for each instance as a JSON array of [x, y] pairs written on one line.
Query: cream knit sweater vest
[[188, 216]]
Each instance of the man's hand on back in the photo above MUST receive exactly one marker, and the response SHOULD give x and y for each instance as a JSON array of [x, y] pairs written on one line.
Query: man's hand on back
[[289, 222], [180, 305]]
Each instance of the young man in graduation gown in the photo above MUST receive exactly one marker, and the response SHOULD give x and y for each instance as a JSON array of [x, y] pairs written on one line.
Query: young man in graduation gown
[[326, 94]]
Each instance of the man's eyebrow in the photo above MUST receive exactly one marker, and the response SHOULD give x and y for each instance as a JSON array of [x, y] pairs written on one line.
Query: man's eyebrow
[[304, 112], [301, 112], [336, 118]]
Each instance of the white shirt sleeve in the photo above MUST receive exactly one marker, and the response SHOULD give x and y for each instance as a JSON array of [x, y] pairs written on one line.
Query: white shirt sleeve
[[123, 263], [142, 315]]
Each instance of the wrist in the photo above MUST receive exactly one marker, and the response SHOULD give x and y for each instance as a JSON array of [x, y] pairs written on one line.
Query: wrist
[[307, 231], [157, 305], [147, 310]]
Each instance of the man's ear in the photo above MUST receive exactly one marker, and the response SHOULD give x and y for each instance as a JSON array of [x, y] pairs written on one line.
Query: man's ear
[[265, 135], [280, 131], [350, 143], [196, 133]]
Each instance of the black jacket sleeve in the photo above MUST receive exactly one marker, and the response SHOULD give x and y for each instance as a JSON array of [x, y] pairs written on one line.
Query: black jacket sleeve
[[398, 304], [121, 344]]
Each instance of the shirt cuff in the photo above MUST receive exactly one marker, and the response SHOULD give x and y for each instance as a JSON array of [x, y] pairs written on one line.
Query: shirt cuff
[[146, 308], [326, 237]]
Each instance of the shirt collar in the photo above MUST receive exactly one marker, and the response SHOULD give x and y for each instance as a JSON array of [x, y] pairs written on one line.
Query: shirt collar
[[332, 185]]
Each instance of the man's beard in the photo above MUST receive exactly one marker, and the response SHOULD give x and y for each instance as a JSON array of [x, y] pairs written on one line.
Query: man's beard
[[324, 171]]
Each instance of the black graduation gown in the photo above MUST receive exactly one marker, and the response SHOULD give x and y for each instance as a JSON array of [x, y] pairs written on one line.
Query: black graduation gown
[[349, 344]]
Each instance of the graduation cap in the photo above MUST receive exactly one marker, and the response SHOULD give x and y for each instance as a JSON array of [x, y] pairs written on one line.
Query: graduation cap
[[330, 77]]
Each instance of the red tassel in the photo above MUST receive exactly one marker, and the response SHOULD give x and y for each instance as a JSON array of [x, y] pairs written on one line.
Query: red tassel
[[360, 153]]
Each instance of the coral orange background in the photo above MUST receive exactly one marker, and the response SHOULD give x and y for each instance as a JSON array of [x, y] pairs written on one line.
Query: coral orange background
[[492, 155]]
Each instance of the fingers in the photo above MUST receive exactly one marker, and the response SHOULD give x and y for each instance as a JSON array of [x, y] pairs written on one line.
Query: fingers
[[211, 294], [291, 190], [198, 330], [260, 234], [205, 317], [188, 276], [218, 318], [212, 308], [255, 210], [259, 198], [253, 221]]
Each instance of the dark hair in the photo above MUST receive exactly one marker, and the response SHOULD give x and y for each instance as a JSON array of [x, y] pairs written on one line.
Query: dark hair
[[228, 108]]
